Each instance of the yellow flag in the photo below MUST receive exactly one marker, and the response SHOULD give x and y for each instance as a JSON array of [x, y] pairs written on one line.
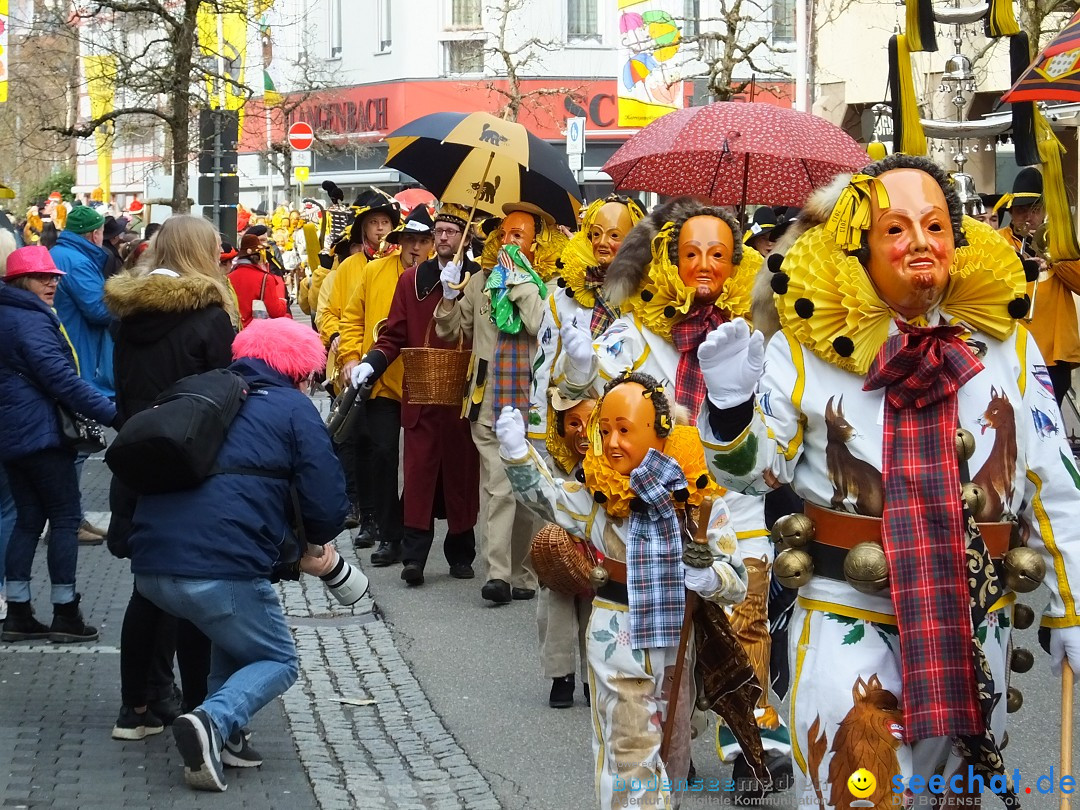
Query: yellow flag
[[100, 86], [228, 42]]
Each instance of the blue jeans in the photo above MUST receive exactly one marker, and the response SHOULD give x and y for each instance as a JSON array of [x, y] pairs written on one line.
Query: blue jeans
[[252, 654], [7, 523], [45, 488]]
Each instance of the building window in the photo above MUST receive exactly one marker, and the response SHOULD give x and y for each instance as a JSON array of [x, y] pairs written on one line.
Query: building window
[[691, 18], [783, 19], [581, 20], [465, 15], [464, 56], [385, 38], [335, 29]]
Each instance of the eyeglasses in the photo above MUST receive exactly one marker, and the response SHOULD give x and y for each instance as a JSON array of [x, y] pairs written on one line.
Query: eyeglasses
[[447, 232], [49, 279]]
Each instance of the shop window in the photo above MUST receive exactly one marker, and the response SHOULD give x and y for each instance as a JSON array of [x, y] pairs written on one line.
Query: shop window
[[464, 56], [581, 20], [691, 26]]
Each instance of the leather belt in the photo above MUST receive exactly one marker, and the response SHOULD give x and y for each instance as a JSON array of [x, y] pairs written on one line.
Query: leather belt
[[841, 530], [615, 589]]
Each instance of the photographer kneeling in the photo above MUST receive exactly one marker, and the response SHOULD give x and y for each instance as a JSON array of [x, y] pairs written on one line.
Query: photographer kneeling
[[208, 554]]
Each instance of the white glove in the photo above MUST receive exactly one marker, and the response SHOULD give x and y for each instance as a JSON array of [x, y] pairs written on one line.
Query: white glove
[[578, 345], [732, 361], [510, 431], [702, 580], [361, 374], [1064, 643], [451, 274]]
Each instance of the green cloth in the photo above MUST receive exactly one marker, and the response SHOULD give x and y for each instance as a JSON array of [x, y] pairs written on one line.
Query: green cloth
[[512, 269]]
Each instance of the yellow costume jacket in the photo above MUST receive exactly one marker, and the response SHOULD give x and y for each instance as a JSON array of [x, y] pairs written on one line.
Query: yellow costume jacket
[[364, 311]]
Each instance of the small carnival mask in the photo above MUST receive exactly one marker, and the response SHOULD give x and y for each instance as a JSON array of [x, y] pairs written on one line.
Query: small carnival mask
[[519, 228], [911, 242], [706, 246], [628, 427], [574, 423], [610, 226]]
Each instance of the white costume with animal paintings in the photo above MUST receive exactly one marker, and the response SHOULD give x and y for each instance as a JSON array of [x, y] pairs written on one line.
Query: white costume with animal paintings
[[628, 701], [816, 427]]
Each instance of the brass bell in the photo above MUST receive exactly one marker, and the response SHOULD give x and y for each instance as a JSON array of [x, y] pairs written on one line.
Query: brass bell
[[1023, 617], [866, 569], [975, 498], [703, 703], [599, 576], [793, 531], [1024, 569], [1014, 699], [793, 568], [965, 444], [1021, 659]]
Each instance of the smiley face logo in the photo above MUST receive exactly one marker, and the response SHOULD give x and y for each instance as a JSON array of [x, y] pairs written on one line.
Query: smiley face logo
[[861, 784]]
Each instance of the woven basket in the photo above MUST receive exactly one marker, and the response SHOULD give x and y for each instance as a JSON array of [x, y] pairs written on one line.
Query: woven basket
[[562, 562], [435, 376]]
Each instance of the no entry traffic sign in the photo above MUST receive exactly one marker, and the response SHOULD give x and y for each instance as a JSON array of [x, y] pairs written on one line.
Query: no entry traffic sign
[[301, 136]]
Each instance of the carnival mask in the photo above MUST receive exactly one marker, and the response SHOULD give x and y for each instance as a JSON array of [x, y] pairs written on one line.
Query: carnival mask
[[628, 427], [519, 228], [574, 423], [911, 242], [610, 226], [706, 246]]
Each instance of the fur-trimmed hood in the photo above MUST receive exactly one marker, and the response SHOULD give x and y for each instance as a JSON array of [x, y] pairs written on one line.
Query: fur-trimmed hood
[[127, 294]]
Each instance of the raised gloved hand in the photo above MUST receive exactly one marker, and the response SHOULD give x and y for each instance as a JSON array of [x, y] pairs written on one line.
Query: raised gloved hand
[[701, 580], [578, 345], [510, 431], [451, 274], [1064, 643], [732, 361], [360, 374]]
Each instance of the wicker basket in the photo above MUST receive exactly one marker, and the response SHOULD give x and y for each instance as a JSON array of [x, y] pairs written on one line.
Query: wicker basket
[[435, 376], [562, 562]]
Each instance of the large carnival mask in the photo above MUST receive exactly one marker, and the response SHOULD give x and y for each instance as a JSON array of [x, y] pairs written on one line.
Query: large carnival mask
[[911, 242], [628, 427], [706, 247], [519, 228], [575, 432], [610, 226]]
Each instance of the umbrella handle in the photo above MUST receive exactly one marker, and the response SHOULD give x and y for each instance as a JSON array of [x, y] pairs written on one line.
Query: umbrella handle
[[468, 225], [1066, 725]]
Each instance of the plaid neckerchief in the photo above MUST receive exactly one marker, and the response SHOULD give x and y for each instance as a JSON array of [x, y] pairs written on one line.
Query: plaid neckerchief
[[687, 335], [603, 315], [921, 369], [654, 578], [511, 371]]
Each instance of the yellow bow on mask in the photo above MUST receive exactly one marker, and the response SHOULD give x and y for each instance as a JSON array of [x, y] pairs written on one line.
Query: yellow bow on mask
[[851, 214]]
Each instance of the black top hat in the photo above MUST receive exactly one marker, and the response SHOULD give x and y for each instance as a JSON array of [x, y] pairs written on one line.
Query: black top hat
[[764, 221], [785, 218], [1027, 188], [418, 223], [373, 201], [989, 201]]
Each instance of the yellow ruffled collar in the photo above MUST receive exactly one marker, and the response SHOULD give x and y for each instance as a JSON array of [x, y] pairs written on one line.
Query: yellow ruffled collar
[[664, 300], [612, 488], [563, 456], [577, 258], [831, 307]]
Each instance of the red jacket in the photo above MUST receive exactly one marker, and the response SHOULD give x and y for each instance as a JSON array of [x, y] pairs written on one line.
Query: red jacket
[[247, 281]]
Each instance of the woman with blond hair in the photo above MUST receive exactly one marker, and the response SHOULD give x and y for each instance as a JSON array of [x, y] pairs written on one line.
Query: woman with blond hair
[[174, 318]]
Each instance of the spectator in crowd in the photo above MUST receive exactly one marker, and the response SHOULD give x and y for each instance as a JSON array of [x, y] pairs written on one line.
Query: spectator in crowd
[[38, 372], [260, 293], [7, 503], [173, 321], [113, 236], [206, 554]]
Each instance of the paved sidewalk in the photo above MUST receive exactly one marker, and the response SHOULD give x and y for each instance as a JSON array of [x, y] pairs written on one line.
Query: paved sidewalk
[[355, 731]]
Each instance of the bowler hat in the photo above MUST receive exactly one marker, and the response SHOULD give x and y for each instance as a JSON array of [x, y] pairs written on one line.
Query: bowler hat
[[29, 260]]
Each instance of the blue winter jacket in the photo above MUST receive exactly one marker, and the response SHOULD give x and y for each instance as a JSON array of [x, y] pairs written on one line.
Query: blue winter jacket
[[31, 345], [81, 306], [235, 526]]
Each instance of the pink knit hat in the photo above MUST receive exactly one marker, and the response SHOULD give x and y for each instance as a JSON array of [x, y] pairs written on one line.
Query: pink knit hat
[[288, 347]]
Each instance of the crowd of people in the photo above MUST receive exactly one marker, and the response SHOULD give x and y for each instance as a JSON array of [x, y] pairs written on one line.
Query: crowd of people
[[658, 488]]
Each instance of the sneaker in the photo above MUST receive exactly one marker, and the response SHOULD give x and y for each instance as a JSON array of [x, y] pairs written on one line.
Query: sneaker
[[131, 725], [200, 747], [238, 753], [90, 535]]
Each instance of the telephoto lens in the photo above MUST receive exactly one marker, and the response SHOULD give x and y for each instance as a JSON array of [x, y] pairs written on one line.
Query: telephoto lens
[[347, 583]]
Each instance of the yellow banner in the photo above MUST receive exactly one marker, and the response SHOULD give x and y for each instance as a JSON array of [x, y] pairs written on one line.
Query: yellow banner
[[224, 37], [649, 75], [100, 86]]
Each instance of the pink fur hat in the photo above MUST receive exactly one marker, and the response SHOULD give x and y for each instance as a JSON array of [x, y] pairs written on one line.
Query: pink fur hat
[[286, 346]]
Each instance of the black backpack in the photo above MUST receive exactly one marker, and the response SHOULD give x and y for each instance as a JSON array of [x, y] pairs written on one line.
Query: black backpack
[[174, 444]]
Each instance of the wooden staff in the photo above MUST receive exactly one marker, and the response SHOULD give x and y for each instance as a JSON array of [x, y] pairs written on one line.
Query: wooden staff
[[1066, 725], [476, 201], [676, 686]]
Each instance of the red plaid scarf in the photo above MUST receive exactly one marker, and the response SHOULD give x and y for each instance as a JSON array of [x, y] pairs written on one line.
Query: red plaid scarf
[[602, 313], [921, 369], [687, 336]]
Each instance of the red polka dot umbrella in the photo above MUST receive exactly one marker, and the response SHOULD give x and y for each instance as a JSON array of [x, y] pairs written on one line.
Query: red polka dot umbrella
[[736, 153]]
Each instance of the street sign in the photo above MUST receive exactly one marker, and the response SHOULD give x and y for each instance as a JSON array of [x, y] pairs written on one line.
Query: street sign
[[301, 136], [302, 158], [575, 136], [228, 191], [302, 173], [575, 162]]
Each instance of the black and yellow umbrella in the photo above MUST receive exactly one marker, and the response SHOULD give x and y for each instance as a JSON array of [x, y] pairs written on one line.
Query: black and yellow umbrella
[[478, 160]]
